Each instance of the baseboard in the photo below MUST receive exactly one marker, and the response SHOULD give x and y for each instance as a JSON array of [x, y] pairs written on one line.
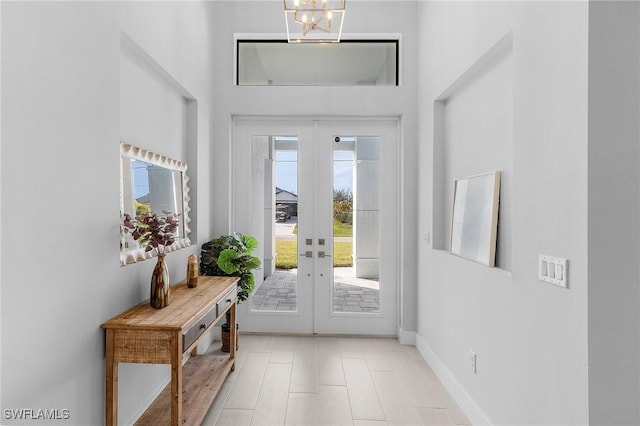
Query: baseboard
[[406, 337], [458, 393]]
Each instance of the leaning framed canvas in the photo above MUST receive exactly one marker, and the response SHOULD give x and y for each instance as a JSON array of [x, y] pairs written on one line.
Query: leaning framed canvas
[[474, 223]]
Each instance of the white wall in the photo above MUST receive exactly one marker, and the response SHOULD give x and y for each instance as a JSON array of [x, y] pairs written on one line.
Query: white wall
[[61, 105], [614, 213], [530, 337], [265, 17]]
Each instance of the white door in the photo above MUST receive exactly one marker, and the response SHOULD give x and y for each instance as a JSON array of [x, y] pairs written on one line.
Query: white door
[[321, 197]]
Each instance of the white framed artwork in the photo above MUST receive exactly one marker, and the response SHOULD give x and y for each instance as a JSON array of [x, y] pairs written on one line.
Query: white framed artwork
[[474, 223]]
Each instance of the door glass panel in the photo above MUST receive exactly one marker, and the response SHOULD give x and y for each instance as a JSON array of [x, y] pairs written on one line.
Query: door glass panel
[[356, 223], [277, 179]]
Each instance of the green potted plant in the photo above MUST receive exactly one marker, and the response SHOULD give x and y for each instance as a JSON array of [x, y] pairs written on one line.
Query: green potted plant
[[230, 255]]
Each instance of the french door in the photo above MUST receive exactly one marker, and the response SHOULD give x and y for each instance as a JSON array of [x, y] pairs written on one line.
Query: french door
[[321, 196]]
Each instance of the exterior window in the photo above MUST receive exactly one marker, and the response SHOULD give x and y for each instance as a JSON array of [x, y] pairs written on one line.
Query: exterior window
[[348, 63]]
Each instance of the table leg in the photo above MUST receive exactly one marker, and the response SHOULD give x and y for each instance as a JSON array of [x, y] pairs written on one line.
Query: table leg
[[176, 382], [111, 381]]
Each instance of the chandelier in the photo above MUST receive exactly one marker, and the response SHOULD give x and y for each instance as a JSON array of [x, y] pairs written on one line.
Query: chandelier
[[314, 21]]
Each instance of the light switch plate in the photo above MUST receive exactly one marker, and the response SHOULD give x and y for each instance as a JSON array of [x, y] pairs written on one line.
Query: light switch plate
[[553, 270]]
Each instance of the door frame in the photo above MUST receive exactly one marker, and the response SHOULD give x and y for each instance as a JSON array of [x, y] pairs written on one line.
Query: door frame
[[241, 221]]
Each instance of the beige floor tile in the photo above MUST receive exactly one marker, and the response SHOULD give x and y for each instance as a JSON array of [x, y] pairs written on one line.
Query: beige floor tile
[[363, 396], [419, 363], [413, 353], [305, 344], [330, 363], [241, 356], [214, 349], [369, 423], [394, 399], [454, 411], [378, 361], [435, 416], [381, 344], [218, 405], [304, 376], [334, 406], [351, 347], [234, 417], [331, 381], [255, 343], [283, 343], [271, 408], [245, 390], [281, 357], [423, 389], [303, 409]]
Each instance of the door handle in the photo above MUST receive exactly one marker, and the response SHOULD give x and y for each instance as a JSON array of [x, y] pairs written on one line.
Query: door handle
[[307, 253], [322, 254]]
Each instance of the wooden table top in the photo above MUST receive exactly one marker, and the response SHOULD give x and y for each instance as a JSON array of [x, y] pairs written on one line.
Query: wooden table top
[[187, 305]]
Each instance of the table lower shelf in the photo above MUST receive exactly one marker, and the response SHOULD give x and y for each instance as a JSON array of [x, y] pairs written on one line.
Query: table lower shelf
[[203, 376]]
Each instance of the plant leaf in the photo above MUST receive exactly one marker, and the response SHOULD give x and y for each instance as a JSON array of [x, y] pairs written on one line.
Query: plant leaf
[[251, 262], [226, 261], [208, 258], [249, 281], [250, 243]]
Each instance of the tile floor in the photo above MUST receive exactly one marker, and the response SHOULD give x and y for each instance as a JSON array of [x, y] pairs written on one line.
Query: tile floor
[[291, 380]]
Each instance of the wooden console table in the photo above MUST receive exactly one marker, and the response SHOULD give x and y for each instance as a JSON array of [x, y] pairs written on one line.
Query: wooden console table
[[143, 334]]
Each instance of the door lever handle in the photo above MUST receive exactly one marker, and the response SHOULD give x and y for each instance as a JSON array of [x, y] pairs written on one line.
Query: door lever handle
[[322, 254], [307, 253]]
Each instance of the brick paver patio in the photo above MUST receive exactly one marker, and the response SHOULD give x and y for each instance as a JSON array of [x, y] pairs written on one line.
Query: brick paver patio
[[351, 294]]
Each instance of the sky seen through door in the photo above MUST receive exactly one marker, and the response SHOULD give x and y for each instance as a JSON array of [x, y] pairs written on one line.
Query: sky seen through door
[[287, 170]]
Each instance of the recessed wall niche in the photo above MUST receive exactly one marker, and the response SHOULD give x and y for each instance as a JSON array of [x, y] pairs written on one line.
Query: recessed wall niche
[[473, 134], [158, 113]]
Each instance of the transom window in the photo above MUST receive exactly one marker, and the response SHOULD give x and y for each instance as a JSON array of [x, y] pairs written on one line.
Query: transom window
[[348, 63]]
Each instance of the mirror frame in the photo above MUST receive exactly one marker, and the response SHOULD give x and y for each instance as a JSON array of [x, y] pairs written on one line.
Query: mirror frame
[[129, 256]]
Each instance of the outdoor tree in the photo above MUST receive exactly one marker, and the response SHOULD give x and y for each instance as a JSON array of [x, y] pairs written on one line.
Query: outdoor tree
[[343, 205]]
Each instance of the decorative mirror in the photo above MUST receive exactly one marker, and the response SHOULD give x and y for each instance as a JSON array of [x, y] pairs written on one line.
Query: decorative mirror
[[151, 182]]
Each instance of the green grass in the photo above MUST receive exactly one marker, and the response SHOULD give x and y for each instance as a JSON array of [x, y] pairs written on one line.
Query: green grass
[[342, 229], [342, 254], [339, 229], [287, 254]]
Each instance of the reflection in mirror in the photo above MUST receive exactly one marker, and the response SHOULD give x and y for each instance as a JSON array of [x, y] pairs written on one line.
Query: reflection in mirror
[[151, 183]]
